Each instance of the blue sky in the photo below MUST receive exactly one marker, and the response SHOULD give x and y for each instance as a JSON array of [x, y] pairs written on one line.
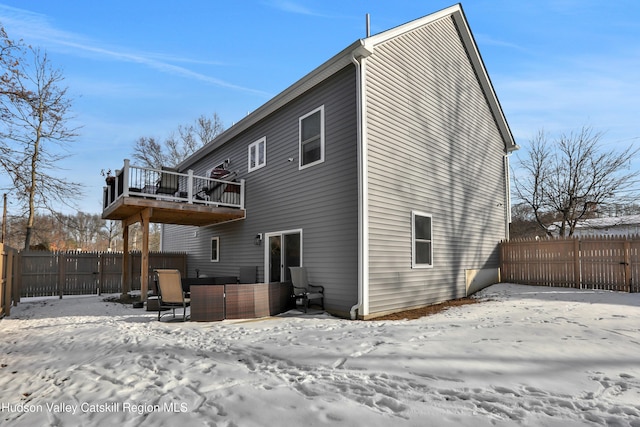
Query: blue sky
[[141, 68]]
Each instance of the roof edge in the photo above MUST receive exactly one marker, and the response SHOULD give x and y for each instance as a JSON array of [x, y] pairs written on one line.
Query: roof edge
[[456, 12], [318, 75], [485, 81], [412, 25], [363, 48]]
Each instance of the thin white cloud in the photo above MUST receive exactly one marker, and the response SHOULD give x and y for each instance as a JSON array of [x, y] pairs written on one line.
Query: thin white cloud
[[561, 103], [161, 66], [295, 7], [35, 28], [292, 7], [484, 39], [564, 93]]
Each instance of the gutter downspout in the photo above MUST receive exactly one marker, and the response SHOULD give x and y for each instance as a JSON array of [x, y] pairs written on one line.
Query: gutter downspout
[[362, 307], [507, 177]]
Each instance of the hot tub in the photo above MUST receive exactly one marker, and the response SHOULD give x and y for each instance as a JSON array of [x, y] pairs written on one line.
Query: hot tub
[[212, 302]]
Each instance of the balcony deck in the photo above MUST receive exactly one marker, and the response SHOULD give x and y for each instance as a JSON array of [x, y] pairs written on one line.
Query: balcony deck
[[169, 197], [171, 212]]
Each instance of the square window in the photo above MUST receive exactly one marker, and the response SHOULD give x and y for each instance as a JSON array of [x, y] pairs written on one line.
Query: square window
[[422, 230], [312, 138], [257, 154]]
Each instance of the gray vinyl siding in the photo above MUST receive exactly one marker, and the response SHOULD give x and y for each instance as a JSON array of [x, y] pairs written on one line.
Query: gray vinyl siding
[[322, 200], [433, 147]]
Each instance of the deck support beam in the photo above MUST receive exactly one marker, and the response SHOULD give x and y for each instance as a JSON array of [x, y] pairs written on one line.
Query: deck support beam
[[126, 285], [143, 217]]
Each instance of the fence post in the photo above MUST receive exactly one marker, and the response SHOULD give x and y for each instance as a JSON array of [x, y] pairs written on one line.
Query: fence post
[[4, 284], [627, 264], [10, 283], [101, 257], [62, 264], [577, 282], [17, 277]]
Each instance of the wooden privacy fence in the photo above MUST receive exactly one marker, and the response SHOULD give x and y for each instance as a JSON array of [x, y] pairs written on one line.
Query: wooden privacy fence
[[599, 262], [83, 273], [8, 284]]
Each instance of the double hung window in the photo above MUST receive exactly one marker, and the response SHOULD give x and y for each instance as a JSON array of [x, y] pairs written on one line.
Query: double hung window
[[422, 232], [258, 154], [215, 249], [311, 131]]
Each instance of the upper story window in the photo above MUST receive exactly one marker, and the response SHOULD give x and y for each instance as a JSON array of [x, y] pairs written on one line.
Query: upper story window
[[422, 231], [258, 154], [312, 138]]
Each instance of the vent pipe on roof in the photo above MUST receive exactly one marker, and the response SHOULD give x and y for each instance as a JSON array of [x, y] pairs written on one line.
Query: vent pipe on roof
[[368, 25]]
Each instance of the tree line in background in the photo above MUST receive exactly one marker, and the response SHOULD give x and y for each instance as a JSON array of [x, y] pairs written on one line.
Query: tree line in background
[[525, 225], [79, 232]]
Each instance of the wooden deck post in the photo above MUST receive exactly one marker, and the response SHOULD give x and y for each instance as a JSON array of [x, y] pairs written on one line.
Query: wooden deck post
[[144, 268], [144, 217], [125, 259]]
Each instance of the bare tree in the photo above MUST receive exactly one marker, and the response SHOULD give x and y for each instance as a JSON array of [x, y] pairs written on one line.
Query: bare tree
[[149, 152], [35, 130], [567, 179], [85, 229], [110, 231]]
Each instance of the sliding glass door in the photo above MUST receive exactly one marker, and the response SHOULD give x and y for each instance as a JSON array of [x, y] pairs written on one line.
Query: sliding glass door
[[283, 250]]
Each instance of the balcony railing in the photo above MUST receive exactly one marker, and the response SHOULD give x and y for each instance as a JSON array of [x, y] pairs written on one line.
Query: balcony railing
[[170, 185]]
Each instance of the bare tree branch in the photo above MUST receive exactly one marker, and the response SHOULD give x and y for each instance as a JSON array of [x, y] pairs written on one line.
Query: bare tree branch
[[148, 152], [568, 179], [35, 109]]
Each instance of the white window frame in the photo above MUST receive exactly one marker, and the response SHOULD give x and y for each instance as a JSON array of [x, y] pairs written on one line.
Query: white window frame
[[267, 252], [300, 141], [415, 240], [255, 147], [217, 243]]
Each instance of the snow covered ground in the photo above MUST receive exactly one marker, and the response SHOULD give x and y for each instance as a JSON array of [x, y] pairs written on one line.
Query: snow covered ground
[[526, 356]]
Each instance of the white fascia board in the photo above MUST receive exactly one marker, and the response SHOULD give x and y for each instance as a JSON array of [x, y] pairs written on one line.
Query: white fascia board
[[412, 25], [484, 79], [457, 14]]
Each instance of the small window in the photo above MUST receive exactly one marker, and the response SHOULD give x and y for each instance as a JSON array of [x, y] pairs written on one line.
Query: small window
[[215, 249], [258, 154], [312, 138], [422, 253]]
